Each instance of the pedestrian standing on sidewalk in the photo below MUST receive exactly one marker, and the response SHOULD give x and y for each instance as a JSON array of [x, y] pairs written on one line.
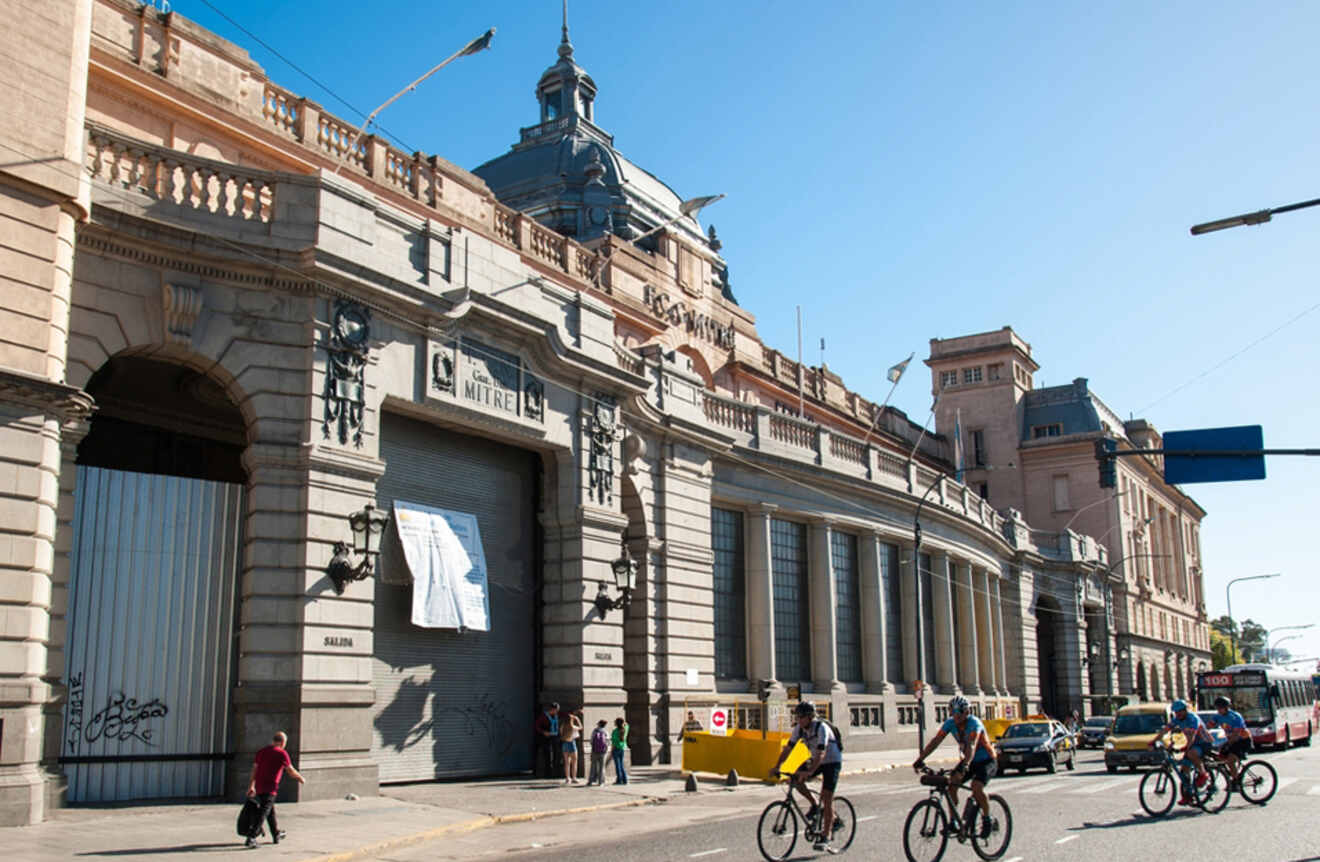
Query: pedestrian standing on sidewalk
[[547, 740], [570, 727], [268, 768], [600, 743], [619, 749]]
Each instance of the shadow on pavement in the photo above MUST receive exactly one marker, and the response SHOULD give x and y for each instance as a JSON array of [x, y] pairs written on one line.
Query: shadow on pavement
[[1136, 820], [178, 848]]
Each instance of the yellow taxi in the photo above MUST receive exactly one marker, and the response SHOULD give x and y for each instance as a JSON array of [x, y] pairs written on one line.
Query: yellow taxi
[[1135, 726]]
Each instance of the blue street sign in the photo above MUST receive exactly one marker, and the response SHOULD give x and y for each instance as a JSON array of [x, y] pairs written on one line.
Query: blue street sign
[[1184, 469]]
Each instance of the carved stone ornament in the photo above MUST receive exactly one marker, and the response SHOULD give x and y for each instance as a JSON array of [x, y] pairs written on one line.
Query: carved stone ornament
[[605, 433], [1081, 599], [68, 403], [442, 370], [534, 399], [345, 388], [182, 304]]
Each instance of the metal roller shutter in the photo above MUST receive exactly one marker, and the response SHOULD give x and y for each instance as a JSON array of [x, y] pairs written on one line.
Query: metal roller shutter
[[452, 704]]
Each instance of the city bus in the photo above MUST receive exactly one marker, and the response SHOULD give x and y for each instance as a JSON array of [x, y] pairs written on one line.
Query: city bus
[[1279, 705]]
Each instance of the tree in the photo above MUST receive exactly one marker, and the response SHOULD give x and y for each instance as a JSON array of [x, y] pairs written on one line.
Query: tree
[[1251, 641], [1224, 625], [1221, 650]]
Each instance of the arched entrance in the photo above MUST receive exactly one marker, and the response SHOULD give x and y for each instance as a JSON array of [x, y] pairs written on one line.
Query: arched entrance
[[1049, 630], [1156, 692], [153, 577], [1142, 691]]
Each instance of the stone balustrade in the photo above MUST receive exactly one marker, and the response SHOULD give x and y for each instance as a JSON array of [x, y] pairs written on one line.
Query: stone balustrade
[[180, 180]]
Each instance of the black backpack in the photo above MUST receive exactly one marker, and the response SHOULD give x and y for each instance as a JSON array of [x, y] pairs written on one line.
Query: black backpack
[[838, 740]]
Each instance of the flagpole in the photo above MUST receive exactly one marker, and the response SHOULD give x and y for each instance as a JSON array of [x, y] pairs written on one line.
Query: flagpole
[[922, 435], [480, 43], [895, 375]]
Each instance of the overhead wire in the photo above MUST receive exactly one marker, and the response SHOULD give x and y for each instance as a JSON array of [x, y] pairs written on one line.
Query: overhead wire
[[865, 509], [308, 75]]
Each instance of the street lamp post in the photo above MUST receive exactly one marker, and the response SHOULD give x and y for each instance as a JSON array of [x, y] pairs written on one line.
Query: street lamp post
[[1258, 217], [1269, 650], [1091, 505], [1228, 599], [1101, 540]]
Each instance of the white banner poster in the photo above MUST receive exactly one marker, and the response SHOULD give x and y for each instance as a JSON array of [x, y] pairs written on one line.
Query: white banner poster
[[443, 551]]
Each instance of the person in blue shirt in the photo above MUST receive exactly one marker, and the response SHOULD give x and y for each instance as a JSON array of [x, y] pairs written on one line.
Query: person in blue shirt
[[978, 757], [1199, 744], [1238, 747]]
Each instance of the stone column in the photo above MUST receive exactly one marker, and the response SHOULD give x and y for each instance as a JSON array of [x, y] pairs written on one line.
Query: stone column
[[1000, 647], [911, 614], [985, 657], [823, 608], [875, 643], [760, 595], [969, 641], [946, 647]]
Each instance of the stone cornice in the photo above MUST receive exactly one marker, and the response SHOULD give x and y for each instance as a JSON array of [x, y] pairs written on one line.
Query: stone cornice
[[68, 403]]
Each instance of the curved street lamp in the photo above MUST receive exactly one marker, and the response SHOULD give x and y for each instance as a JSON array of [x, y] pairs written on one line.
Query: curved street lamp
[[1091, 505], [1269, 650], [1228, 599]]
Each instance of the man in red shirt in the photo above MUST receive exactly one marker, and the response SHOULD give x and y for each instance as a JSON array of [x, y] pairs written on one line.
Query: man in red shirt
[[268, 768]]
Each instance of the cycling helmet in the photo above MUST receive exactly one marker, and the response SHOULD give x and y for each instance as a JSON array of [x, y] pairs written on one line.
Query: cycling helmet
[[805, 709], [1179, 705], [1224, 702], [959, 705]]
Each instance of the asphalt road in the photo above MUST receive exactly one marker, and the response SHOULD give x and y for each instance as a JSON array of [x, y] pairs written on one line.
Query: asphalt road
[[1076, 816]]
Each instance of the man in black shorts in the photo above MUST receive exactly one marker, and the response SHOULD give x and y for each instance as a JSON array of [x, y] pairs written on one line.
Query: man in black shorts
[[1235, 728], [978, 757], [826, 761]]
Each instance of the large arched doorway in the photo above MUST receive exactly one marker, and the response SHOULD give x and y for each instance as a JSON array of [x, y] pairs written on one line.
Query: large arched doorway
[[1049, 630], [153, 584], [1156, 693]]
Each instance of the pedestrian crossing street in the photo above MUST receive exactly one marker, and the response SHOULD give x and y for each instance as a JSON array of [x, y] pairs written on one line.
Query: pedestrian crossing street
[[1086, 785]]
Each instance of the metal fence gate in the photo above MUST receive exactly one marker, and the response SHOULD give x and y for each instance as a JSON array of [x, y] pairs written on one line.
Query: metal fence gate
[[150, 648], [452, 703]]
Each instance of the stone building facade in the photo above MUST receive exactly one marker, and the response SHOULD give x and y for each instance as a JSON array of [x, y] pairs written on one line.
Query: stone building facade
[[1145, 625], [229, 326]]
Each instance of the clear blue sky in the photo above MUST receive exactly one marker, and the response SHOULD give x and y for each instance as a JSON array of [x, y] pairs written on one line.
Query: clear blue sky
[[908, 171]]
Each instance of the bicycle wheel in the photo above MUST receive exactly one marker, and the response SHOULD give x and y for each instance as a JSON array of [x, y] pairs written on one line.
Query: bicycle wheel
[[993, 845], [925, 833], [1257, 781], [777, 832], [1158, 791], [845, 824], [1214, 796]]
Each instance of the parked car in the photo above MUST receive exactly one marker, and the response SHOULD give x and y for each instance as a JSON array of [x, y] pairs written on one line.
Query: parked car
[[1134, 729], [1217, 734], [1094, 731], [1028, 744]]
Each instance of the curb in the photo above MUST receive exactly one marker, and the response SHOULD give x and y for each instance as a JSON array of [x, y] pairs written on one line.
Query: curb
[[390, 844]]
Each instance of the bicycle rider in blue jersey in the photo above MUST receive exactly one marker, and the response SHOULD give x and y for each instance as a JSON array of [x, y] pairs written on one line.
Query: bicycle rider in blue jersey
[[1238, 747], [1199, 744], [978, 757]]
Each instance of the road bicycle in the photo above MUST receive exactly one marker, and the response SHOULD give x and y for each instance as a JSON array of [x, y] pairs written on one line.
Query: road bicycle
[[777, 831], [1159, 788], [1256, 780], [930, 825]]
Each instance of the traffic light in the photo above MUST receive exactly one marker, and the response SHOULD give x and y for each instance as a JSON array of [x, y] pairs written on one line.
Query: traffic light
[[763, 688], [1105, 448]]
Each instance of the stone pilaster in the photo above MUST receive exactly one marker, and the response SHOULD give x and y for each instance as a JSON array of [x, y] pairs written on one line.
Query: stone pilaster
[[909, 589], [970, 641], [1000, 646], [946, 648], [875, 642], [985, 656], [824, 609], [760, 596]]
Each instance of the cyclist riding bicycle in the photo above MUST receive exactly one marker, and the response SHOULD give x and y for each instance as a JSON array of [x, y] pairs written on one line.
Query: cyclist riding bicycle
[[1199, 744], [978, 756], [1238, 747], [826, 761]]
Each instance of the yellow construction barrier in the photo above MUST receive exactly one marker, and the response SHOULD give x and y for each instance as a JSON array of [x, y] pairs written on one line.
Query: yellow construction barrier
[[995, 727], [744, 750]]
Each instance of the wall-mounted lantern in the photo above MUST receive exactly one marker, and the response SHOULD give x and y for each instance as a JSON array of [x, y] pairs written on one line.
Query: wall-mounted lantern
[[625, 581], [1122, 657], [1092, 650], [368, 525]]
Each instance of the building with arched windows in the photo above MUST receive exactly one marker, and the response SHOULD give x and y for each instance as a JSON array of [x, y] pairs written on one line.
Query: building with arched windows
[[231, 325]]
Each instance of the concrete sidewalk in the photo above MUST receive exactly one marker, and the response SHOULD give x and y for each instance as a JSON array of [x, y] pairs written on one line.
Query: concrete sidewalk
[[342, 830]]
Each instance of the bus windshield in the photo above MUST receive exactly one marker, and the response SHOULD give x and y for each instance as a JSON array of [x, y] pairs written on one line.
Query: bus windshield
[[1253, 701]]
